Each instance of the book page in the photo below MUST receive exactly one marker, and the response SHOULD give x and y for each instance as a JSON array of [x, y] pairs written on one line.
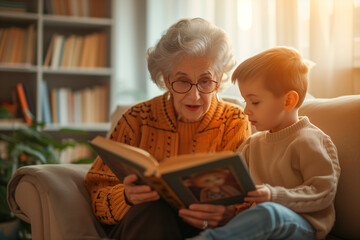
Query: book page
[[133, 154], [189, 160]]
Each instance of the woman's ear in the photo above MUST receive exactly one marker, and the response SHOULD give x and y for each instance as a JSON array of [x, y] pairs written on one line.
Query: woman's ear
[[291, 100], [166, 80]]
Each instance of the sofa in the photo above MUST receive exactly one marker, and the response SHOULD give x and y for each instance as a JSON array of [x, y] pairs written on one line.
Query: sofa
[[54, 200]]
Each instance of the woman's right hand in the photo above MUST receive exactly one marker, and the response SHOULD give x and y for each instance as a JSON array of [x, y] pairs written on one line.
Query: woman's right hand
[[136, 194]]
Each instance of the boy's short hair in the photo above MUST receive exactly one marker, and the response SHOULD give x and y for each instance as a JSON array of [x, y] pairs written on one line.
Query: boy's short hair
[[282, 69]]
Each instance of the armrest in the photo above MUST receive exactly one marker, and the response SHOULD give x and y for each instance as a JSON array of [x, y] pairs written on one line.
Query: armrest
[[54, 200], [339, 118]]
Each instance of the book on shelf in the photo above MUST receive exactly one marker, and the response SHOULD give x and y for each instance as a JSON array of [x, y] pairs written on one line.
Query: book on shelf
[[54, 105], [87, 51], [17, 45], [57, 51], [213, 178], [28, 116], [28, 99], [82, 8], [29, 53], [87, 105], [46, 113], [13, 6], [50, 50]]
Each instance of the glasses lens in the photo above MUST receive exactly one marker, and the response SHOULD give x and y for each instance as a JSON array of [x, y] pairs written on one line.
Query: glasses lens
[[203, 86], [181, 86], [206, 86]]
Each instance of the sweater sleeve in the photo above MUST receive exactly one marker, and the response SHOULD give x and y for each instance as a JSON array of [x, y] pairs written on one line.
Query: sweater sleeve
[[106, 191], [237, 130], [318, 164]]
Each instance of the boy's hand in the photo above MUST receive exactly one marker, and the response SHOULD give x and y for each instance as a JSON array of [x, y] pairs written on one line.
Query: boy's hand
[[260, 195]]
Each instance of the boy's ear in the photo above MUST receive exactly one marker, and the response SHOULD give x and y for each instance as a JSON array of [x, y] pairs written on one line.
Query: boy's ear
[[291, 99]]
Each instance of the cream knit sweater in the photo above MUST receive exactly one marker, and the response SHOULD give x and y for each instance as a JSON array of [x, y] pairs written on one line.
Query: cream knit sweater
[[300, 166]]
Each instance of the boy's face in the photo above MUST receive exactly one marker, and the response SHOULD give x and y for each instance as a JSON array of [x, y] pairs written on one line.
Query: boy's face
[[265, 110]]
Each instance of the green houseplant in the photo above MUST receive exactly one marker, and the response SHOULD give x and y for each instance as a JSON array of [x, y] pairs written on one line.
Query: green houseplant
[[27, 146]]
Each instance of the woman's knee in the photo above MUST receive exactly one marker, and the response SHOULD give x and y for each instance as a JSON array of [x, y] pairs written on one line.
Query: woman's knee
[[151, 210], [155, 219]]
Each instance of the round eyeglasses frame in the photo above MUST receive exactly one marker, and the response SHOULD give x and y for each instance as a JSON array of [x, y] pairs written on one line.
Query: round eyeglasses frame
[[191, 85]]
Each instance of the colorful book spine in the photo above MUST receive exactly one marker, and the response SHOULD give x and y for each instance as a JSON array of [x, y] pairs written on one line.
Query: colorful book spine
[[24, 104]]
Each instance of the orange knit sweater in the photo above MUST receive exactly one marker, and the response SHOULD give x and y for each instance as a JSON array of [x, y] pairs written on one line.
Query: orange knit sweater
[[152, 126]]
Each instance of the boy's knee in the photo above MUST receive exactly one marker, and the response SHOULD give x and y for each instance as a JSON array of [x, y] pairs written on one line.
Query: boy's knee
[[271, 210]]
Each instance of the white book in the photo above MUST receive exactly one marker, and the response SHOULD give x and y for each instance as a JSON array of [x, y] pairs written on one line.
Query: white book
[[63, 110], [55, 61], [77, 110]]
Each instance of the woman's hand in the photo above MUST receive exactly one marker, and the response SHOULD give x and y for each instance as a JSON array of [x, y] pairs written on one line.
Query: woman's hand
[[136, 194], [260, 195], [207, 215]]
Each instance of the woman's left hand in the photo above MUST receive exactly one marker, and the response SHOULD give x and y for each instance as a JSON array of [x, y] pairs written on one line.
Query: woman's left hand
[[207, 215]]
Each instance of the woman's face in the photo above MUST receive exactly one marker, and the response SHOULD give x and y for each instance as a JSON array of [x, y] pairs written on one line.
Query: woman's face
[[193, 105]]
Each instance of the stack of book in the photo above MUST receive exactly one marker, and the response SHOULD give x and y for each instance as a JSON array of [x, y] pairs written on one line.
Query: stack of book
[[66, 106], [17, 45], [87, 51], [13, 6], [80, 8]]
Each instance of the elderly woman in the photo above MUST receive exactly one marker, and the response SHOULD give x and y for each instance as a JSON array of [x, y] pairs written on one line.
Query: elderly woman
[[191, 62]]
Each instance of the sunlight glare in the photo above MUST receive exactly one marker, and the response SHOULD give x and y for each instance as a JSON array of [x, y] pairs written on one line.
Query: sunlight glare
[[357, 3], [245, 14]]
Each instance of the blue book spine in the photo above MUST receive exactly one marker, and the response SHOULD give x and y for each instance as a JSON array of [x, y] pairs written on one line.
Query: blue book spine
[[45, 104]]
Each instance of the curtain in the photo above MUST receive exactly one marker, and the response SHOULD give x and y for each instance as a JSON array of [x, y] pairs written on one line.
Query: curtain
[[324, 31]]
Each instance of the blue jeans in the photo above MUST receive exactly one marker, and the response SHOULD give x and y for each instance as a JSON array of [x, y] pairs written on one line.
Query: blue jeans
[[265, 221]]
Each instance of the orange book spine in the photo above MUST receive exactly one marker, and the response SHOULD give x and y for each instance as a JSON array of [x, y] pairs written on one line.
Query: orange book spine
[[24, 104]]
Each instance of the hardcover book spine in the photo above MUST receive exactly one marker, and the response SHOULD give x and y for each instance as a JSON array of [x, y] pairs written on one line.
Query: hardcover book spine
[[165, 192]]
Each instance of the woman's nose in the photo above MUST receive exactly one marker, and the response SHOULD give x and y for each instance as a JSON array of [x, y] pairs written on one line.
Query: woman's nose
[[194, 92], [247, 110]]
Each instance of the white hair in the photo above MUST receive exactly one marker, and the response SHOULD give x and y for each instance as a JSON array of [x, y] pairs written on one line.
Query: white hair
[[191, 37]]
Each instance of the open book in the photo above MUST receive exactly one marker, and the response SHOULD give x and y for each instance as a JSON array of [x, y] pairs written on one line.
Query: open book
[[214, 178]]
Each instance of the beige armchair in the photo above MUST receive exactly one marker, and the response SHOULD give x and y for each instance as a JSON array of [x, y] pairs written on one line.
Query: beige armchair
[[54, 200]]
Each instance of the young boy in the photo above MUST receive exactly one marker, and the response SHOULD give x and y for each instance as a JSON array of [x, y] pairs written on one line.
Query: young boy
[[293, 162]]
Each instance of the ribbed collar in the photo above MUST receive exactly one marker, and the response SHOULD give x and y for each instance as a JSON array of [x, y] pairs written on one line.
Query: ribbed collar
[[279, 135], [167, 109]]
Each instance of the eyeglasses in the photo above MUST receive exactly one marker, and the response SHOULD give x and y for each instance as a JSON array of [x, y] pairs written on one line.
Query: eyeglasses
[[203, 86]]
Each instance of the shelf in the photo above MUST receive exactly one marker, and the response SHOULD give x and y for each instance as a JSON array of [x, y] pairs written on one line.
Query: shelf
[[9, 126], [41, 83], [100, 127], [17, 16], [4, 67], [59, 20], [78, 71]]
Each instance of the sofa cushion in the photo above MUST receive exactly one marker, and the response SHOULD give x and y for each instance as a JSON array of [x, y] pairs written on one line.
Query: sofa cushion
[[340, 119]]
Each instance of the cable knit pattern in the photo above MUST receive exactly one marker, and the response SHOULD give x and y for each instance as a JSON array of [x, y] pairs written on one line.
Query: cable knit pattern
[[152, 126], [300, 166]]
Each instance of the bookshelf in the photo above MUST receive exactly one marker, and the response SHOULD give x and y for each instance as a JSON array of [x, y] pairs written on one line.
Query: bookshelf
[[65, 18]]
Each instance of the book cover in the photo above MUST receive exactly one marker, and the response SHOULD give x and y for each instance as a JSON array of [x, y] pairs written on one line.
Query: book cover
[[50, 50], [28, 98], [214, 178], [54, 105], [45, 103], [56, 55], [24, 104]]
